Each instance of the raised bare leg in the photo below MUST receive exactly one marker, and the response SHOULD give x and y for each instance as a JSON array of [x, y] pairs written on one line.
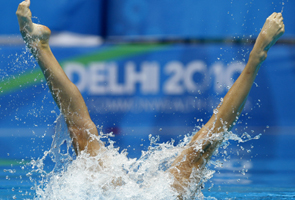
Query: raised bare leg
[[197, 153], [64, 92]]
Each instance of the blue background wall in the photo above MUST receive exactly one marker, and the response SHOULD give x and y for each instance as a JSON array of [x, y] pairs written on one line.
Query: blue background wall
[[27, 107], [77, 16], [191, 18], [166, 18]]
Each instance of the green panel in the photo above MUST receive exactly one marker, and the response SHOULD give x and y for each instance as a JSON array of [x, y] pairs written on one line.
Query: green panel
[[25, 80], [115, 52], [8, 162]]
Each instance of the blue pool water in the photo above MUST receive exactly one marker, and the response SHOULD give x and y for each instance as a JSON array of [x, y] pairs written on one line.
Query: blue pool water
[[270, 170]]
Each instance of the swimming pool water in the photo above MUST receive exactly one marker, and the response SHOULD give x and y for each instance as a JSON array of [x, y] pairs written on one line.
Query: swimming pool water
[[279, 185], [270, 175]]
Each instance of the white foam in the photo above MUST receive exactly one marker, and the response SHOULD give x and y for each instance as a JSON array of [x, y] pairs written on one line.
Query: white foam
[[112, 175]]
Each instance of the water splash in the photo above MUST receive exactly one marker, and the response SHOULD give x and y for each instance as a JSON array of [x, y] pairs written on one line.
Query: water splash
[[283, 5], [112, 175]]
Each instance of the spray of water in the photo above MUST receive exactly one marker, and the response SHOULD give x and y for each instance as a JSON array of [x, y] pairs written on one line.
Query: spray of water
[[112, 175]]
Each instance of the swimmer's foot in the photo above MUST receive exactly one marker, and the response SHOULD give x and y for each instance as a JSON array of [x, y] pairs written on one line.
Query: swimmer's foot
[[271, 31], [35, 35]]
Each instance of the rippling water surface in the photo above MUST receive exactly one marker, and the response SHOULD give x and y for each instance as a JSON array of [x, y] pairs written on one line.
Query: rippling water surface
[[58, 174]]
